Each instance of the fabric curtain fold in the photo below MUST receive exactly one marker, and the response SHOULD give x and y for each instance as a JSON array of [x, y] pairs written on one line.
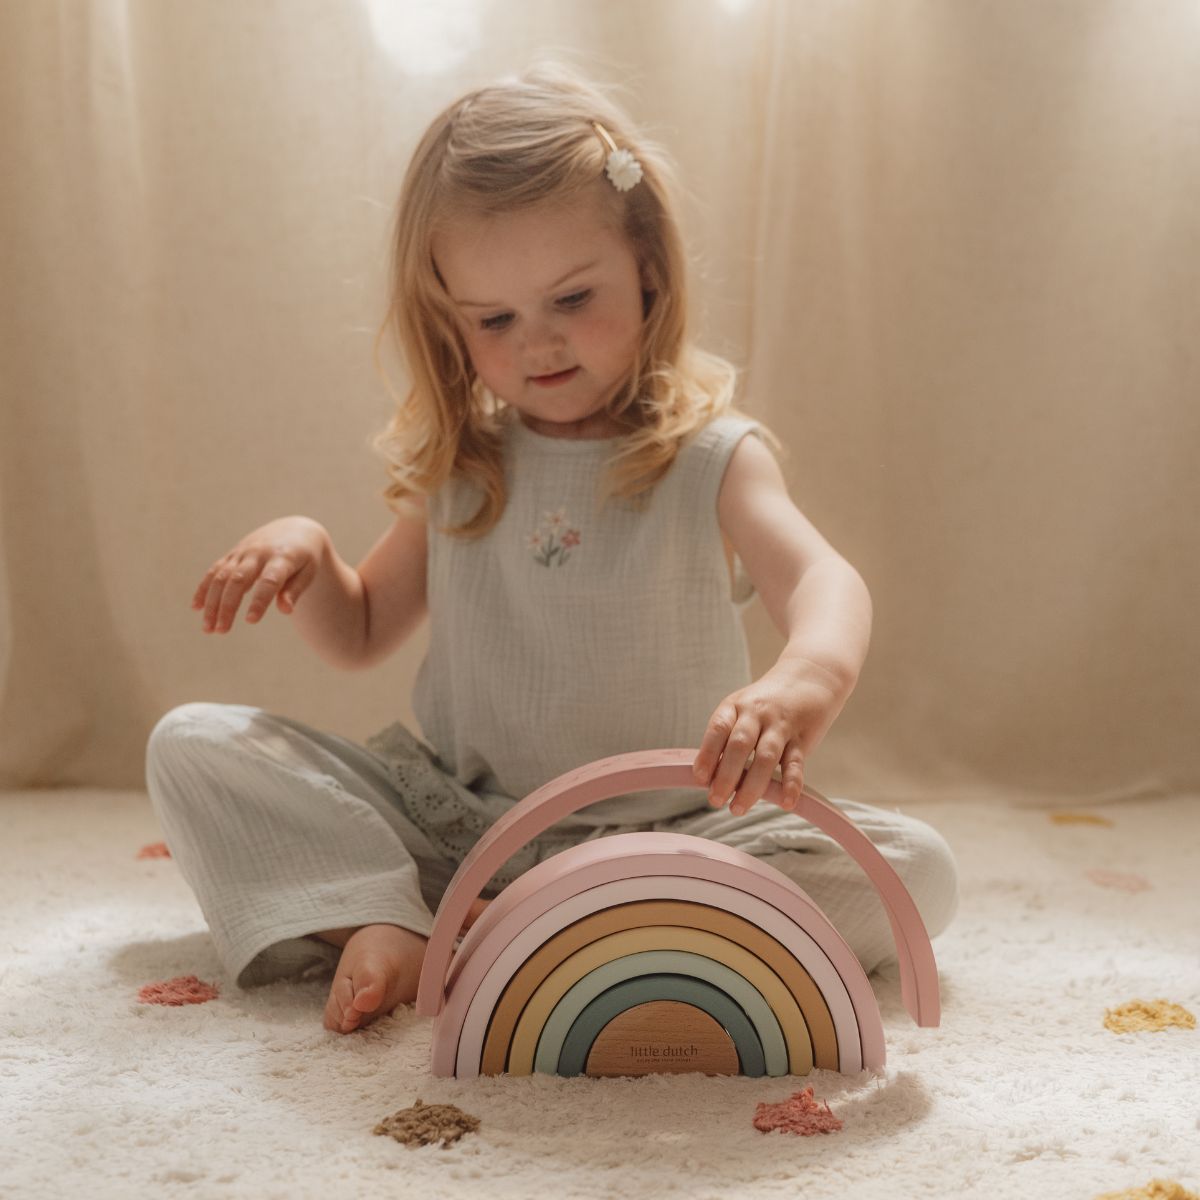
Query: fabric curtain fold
[[955, 249]]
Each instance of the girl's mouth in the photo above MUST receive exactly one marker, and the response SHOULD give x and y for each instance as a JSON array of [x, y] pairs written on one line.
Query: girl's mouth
[[553, 380]]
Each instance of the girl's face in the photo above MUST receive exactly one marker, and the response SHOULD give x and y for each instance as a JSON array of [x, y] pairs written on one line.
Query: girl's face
[[550, 305]]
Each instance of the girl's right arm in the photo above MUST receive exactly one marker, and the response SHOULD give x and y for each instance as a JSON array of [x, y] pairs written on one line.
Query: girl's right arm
[[351, 617]]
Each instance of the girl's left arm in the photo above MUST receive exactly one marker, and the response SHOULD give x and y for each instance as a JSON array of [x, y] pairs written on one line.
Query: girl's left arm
[[819, 602]]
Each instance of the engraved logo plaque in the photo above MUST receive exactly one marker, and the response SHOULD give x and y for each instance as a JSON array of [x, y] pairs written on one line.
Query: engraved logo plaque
[[633, 1043]]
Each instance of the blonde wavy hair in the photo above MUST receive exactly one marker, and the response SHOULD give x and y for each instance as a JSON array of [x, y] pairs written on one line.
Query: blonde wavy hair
[[509, 146]]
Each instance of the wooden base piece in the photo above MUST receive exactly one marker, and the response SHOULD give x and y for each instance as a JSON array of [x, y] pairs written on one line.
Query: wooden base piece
[[662, 1037]]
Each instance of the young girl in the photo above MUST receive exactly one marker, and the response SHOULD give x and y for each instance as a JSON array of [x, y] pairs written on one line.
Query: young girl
[[582, 513]]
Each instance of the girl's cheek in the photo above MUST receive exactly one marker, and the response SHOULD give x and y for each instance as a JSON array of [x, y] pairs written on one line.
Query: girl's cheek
[[614, 332], [600, 328], [486, 359], [620, 319]]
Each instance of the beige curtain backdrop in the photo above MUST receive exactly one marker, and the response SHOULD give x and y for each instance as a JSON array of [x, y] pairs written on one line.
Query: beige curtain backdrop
[[954, 244]]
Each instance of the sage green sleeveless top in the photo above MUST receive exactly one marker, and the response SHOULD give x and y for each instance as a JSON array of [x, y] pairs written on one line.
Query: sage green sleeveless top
[[568, 633]]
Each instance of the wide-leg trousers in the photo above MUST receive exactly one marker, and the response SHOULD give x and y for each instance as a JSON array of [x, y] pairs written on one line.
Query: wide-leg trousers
[[282, 830]]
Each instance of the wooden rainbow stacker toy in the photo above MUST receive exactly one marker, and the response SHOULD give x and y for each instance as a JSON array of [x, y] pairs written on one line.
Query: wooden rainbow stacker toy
[[648, 952]]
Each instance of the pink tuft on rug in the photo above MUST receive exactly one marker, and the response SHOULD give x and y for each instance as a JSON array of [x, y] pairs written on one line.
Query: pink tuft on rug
[[799, 1114], [183, 989]]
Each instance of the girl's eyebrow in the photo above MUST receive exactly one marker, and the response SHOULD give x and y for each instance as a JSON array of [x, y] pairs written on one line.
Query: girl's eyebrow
[[499, 304]]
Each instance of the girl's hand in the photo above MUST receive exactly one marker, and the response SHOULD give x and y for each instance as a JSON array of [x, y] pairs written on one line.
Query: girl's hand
[[782, 718], [278, 560]]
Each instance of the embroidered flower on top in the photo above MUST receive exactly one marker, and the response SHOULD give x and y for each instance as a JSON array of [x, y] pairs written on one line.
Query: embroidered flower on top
[[552, 542]]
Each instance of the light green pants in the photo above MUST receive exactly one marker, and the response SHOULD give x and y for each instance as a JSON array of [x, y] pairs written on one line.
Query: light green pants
[[282, 830]]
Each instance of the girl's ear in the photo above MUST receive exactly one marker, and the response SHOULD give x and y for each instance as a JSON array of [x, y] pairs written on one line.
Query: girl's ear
[[649, 293]]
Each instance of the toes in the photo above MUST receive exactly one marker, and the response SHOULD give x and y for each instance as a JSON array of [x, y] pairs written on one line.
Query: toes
[[340, 1004], [377, 971], [353, 1002], [368, 996]]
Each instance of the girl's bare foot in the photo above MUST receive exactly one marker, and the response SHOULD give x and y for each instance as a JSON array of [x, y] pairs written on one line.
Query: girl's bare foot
[[380, 968]]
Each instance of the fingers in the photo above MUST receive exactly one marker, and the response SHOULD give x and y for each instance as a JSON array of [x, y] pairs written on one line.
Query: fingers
[[295, 587], [270, 584], [792, 765], [200, 595], [737, 760], [231, 575], [274, 563], [720, 726], [766, 758], [227, 581], [742, 739]]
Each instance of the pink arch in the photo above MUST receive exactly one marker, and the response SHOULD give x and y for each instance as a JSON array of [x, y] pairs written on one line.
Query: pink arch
[[640, 771]]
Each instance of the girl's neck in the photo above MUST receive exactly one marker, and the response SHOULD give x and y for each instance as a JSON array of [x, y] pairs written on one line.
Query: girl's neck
[[597, 428]]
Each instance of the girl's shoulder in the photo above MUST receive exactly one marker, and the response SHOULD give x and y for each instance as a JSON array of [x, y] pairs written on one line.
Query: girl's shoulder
[[704, 454], [715, 441], [729, 426]]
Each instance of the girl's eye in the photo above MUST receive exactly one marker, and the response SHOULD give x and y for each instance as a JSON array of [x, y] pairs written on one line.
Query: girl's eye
[[573, 301]]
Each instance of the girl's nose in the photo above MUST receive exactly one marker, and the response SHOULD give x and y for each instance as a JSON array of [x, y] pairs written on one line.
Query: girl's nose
[[541, 336]]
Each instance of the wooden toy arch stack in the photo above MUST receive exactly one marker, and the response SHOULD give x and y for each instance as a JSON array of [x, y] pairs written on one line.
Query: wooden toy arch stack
[[657, 952]]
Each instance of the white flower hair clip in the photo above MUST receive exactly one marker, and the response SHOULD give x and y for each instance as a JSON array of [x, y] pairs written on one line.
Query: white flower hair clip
[[623, 170]]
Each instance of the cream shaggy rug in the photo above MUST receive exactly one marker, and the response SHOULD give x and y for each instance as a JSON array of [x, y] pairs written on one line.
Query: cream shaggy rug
[[1022, 1092]]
